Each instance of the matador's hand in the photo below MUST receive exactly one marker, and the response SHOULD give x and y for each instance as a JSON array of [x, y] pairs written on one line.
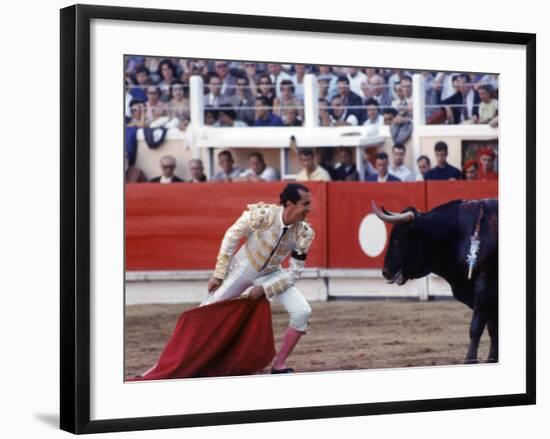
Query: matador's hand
[[214, 284], [254, 293]]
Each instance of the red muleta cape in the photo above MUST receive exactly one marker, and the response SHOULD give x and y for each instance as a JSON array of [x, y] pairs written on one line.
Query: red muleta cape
[[232, 337]]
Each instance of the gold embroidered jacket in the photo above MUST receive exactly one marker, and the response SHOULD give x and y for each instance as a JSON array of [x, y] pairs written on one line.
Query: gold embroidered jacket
[[262, 226]]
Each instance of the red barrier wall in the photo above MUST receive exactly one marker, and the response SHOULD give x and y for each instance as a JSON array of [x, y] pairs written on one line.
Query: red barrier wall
[[439, 192], [349, 204], [180, 226]]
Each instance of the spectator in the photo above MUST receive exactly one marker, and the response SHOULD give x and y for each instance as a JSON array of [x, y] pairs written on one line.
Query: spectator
[[178, 107], [277, 75], [389, 114], [132, 173], [298, 81], [258, 170], [398, 168], [379, 90], [287, 99], [486, 157], [356, 78], [266, 89], [445, 85], [323, 82], [264, 116], [340, 115], [310, 170], [326, 75], [488, 107], [349, 99], [291, 117], [228, 172], [137, 111], [167, 73], [227, 80], [345, 169], [431, 96], [214, 98], [197, 171], [374, 118], [382, 175], [138, 91], [424, 165], [463, 106], [403, 91], [155, 108], [325, 118], [210, 117], [244, 100], [168, 165], [251, 75], [442, 170], [227, 117], [470, 170]]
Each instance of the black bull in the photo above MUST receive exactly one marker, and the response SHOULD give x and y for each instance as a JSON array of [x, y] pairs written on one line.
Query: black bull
[[440, 241]]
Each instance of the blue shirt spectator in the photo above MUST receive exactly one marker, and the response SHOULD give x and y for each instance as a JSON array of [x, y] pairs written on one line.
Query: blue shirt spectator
[[442, 170], [447, 172], [264, 116]]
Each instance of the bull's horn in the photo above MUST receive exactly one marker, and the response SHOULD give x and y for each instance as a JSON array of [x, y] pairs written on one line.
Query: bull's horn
[[393, 218]]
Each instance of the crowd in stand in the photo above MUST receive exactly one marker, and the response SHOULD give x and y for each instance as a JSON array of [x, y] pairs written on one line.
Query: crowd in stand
[[263, 94], [317, 166]]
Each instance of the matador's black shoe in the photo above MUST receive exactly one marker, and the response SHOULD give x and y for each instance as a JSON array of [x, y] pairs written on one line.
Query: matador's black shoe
[[285, 370]]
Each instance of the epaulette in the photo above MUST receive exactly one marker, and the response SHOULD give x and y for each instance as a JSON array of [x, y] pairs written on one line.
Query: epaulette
[[261, 215], [304, 235]]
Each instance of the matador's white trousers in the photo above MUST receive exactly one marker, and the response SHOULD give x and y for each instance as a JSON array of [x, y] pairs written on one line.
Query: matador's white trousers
[[241, 276]]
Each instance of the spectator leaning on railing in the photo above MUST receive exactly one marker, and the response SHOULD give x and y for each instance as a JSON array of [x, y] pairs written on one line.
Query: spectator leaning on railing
[[228, 172], [227, 117], [258, 170]]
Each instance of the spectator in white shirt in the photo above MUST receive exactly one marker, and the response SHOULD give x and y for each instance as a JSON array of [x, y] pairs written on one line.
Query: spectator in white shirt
[[258, 170], [356, 78], [277, 75], [398, 168], [339, 113], [374, 118]]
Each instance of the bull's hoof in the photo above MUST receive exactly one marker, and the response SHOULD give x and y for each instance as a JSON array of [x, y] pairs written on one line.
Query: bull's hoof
[[471, 361]]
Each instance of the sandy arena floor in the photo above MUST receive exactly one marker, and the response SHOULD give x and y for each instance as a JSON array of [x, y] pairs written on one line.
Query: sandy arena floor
[[344, 335]]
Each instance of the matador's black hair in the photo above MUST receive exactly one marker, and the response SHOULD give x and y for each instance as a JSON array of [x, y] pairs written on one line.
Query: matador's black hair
[[290, 193]]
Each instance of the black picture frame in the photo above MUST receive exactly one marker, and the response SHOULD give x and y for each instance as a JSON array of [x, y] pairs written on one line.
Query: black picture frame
[[75, 217]]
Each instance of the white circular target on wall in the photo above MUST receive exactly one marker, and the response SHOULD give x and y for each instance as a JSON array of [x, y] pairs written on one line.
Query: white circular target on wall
[[372, 235]]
